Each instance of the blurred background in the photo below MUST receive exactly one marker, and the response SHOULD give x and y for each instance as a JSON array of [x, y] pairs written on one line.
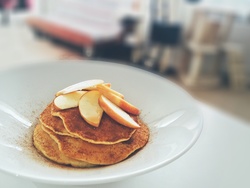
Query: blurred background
[[201, 45]]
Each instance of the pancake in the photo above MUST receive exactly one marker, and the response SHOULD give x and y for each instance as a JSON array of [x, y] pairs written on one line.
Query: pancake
[[108, 132], [100, 154], [49, 148], [53, 123]]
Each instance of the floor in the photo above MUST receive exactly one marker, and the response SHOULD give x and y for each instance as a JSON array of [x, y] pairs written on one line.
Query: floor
[[18, 44], [236, 103]]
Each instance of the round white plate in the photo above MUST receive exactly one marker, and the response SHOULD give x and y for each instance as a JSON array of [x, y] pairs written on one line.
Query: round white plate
[[174, 120]]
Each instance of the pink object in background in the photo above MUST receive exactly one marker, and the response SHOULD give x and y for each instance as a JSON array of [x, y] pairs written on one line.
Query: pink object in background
[[29, 4], [8, 4]]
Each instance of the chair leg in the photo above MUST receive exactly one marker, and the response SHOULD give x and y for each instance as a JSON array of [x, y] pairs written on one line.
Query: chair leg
[[165, 59], [195, 68]]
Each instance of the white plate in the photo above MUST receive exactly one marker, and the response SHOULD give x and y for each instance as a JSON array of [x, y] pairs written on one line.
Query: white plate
[[174, 120]]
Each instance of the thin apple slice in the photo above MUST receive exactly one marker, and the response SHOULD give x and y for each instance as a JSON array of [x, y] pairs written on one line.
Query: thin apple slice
[[107, 85], [104, 89], [90, 109], [95, 87], [69, 100], [117, 113], [123, 104], [79, 86]]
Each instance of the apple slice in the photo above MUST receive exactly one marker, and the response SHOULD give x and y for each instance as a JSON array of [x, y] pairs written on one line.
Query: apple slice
[[90, 109], [104, 89], [69, 100], [123, 104], [95, 87], [79, 86], [117, 113]]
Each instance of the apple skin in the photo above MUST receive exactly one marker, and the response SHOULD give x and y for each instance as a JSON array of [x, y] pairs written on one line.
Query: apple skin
[[104, 89], [123, 104], [95, 87], [69, 100], [90, 109], [80, 86], [117, 113]]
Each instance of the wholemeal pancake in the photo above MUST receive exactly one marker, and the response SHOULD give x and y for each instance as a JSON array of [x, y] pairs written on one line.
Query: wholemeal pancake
[[53, 123], [49, 148], [100, 154], [108, 132]]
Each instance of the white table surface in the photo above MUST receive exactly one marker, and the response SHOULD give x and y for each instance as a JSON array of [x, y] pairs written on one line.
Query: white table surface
[[220, 158]]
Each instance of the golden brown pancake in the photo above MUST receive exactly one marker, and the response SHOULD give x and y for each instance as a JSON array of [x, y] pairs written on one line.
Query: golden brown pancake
[[53, 123], [108, 132], [100, 154], [49, 148]]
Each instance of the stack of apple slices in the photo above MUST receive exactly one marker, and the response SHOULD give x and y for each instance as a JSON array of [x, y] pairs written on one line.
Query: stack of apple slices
[[92, 97]]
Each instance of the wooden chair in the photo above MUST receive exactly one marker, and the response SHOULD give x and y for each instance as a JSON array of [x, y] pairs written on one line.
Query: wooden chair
[[208, 33]]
